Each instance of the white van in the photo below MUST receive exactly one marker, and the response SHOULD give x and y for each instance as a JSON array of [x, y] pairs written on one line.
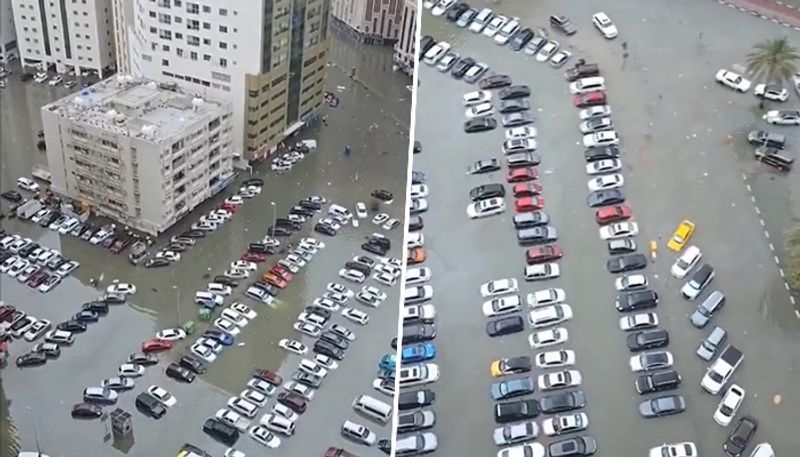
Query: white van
[[208, 297], [373, 408], [585, 85], [340, 211]]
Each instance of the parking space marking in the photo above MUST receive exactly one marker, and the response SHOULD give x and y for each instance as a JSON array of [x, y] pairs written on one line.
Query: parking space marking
[[749, 189], [762, 222], [791, 299], [780, 270], [758, 210], [777, 262], [772, 247], [766, 234], [797, 313]]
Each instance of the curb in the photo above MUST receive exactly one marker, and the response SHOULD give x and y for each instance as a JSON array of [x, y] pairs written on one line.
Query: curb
[[775, 19]]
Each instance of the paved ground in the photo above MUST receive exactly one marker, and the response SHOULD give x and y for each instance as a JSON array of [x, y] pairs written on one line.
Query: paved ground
[[679, 163], [47, 393]]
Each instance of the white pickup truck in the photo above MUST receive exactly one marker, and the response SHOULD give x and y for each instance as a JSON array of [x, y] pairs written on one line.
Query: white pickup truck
[[721, 370]]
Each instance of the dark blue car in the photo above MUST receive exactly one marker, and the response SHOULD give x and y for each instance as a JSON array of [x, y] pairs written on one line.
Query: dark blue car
[[419, 352], [511, 388], [86, 316], [224, 338]]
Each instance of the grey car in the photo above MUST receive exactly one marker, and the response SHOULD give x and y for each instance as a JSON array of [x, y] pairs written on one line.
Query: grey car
[[662, 406], [420, 443], [516, 119], [476, 72], [515, 433], [523, 159], [466, 17], [706, 310], [512, 388], [413, 421]]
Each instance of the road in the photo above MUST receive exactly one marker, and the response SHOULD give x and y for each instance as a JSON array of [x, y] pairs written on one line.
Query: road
[[678, 163], [46, 393]]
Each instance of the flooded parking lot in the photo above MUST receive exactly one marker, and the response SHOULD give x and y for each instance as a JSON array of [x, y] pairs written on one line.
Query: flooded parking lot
[[40, 398], [679, 163]]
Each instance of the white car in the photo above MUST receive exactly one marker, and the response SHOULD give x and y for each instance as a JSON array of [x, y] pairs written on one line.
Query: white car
[[204, 352], [506, 32], [244, 310], [237, 273], [603, 23], [559, 380], [501, 306], [313, 242], [650, 361], [384, 278], [232, 418], [312, 367], [121, 288], [546, 297], [560, 58], [234, 317], [67, 226], [380, 218], [520, 133], [685, 449], [548, 316], [67, 268], [259, 294], [415, 240], [771, 92], [604, 138], [37, 329], [418, 275], [278, 424], [327, 303], [340, 289], [542, 271], [565, 423], [732, 80], [495, 25], [547, 51], [171, 334], [425, 313], [594, 111], [476, 97], [485, 208], [355, 315], [630, 282], [262, 435], [27, 184], [436, 52], [619, 230], [419, 191], [519, 145], [374, 292], [342, 331], [293, 346], [603, 166], [606, 182], [481, 110], [300, 389], [242, 406], [684, 264], [262, 386], [244, 265], [307, 328], [729, 405], [56, 81], [782, 117], [326, 361], [284, 411], [639, 321], [131, 370], [166, 398], [352, 275], [232, 452], [234, 200], [227, 326], [254, 396], [555, 359], [361, 210], [18, 267], [549, 337], [499, 287], [219, 289]]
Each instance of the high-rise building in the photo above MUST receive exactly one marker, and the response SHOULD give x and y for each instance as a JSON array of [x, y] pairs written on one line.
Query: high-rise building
[[122, 12], [268, 57], [405, 48], [8, 35], [369, 21], [138, 152], [66, 35]]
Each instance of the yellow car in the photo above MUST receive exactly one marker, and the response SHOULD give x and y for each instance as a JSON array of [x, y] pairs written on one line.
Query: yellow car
[[681, 235], [510, 365]]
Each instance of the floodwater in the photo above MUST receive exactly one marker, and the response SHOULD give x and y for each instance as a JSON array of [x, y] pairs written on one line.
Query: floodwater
[[40, 398], [678, 163]]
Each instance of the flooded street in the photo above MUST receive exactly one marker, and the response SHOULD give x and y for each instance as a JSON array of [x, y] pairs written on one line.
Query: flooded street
[[679, 163], [165, 296]]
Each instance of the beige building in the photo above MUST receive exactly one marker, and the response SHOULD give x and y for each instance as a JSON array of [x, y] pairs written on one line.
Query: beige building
[[405, 47], [137, 152], [8, 34], [266, 56], [369, 21]]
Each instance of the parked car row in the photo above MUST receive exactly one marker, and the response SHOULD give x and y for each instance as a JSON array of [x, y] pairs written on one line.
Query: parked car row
[[286, 161], [34, 265]]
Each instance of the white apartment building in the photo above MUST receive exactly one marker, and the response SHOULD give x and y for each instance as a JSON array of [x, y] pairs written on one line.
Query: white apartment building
[[369, 21], [65, 35], [266, 56], [138, 152], [405, 47], [8, 35], [122, 13]]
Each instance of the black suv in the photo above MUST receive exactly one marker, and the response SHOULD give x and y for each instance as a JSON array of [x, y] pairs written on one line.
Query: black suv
[[358, 266], [774, 157], [648, 339], [221, 431], [150, 406], [634, 301], [520, 39], [764, 138], [487, 191], [628, 262], [416, 333], [425, 44], [179, 373], [516, 411], [505, 326], [657, 382], [740, 436], [415, 398], [563, 402], [563, 25], [194, 364]]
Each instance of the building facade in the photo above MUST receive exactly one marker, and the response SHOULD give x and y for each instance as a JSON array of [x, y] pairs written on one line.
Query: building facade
[[122, 12], [268, 57], [8, 34], [65, 36], [138, 152], [405, 48], [369, 21]]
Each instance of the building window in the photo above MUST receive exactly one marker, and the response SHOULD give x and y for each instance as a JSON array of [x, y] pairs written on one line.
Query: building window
[[223, 28], [223, 45], [223, 12]]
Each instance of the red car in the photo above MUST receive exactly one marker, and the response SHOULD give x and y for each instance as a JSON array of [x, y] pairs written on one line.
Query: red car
[[542, 254], [529, 204], [37, 279], [293, 401], [231, 208], [281, 271], [611, 214], [522, 174], [528, 189], [589, 99], [253, 257], [338, 452], [156, 345], [5, 312], [275, 280], [269, 376]]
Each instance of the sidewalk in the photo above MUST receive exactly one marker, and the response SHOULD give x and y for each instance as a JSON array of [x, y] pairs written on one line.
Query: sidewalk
[[772, 10]]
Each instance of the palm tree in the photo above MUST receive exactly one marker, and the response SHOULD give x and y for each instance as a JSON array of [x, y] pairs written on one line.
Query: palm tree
[[773, 61]]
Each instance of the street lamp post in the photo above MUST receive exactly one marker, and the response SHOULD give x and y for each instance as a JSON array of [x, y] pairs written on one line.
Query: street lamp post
[[274, 216], [177, 305]]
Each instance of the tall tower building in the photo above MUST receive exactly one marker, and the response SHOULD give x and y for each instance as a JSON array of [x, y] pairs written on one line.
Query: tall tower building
[[65, 35], [369, 21], [122, 12], [8, 35], [266, 56], [405, 48]]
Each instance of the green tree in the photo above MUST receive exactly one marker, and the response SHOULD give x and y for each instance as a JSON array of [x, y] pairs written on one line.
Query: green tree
[[793, 256], [773, 61]]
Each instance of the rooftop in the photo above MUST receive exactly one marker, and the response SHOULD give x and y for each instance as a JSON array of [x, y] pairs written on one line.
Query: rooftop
[[138, 108]]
